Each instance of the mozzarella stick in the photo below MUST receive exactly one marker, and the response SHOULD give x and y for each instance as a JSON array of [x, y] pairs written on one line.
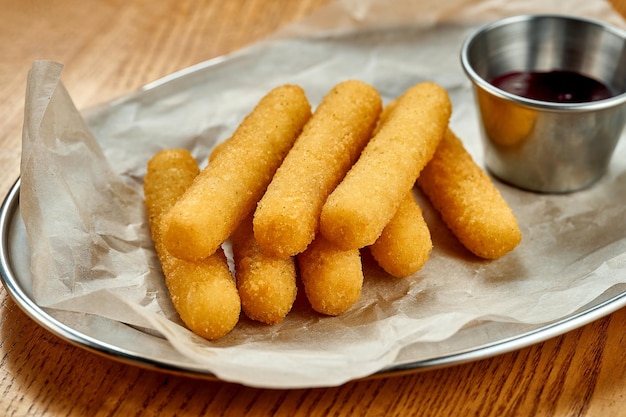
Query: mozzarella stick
[[203, 292], [266, 284], [357, 211], [405, 243], [287, 217], [332, 277], [469, 203], [227, 190]]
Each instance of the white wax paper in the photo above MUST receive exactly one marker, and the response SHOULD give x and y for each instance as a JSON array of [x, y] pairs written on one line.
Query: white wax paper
[[81, 199]]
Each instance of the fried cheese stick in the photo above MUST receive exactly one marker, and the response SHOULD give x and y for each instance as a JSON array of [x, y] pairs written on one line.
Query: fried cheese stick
[[332, 277], [287, 217], [266, 284], [203, 292], [228, 189], [405, 243], [357, 211], [469, 203]]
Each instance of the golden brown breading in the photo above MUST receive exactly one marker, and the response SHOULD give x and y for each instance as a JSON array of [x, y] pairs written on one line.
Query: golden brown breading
[[469, 203], [203, 292], [405, 244], [332, 277], [266, 284], [287, 217], [357, 211], [228, 189]]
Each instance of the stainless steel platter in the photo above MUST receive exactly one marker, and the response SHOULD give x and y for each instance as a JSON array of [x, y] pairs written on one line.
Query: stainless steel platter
[[137, 347], [476, 340]]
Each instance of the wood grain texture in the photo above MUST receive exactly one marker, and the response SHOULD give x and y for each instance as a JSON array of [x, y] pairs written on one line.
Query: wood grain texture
[[111, 47]]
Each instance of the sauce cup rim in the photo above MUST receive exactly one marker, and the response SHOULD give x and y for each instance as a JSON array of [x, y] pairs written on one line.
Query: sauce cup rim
[[479, 81]]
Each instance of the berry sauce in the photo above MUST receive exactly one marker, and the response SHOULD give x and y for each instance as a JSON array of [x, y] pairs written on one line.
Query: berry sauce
[[554, 86]]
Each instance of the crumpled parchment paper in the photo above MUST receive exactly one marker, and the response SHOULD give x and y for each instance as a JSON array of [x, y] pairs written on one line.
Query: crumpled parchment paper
[[81, 198]]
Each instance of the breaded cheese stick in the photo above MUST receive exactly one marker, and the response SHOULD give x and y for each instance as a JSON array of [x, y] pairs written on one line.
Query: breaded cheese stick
[[332, 277], [469, 203], [287, 217], [266, 284], [227, 190], [405, 243], [357, 211], [203, 292]]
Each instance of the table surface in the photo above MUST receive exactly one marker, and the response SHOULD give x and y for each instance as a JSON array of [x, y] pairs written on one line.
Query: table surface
[[113, 47]]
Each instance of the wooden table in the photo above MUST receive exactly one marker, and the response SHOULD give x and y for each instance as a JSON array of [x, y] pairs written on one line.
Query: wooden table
[[115, 46]]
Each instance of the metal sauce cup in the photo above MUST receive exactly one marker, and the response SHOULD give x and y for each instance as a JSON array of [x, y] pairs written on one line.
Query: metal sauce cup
[[541, 145]]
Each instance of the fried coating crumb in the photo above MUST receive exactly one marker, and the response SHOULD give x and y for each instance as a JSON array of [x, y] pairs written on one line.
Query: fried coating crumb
[[469, 203], [203, 292], [287, 217], [357, 211], [228, 189]]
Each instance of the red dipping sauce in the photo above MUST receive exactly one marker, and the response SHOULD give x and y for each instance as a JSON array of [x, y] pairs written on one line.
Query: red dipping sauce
[[554, 86]]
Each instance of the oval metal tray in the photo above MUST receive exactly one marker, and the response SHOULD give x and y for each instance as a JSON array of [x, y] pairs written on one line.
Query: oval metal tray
[[137, 347]]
